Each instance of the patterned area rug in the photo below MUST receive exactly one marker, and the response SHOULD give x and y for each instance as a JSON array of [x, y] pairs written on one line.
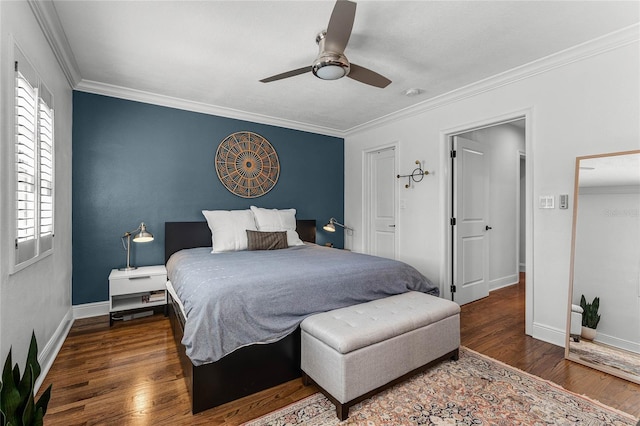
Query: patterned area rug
[[475, 390]]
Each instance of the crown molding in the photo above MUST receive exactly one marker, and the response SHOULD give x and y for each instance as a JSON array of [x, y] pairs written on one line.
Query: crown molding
[[608, 42], [49, 22], [184, 104]]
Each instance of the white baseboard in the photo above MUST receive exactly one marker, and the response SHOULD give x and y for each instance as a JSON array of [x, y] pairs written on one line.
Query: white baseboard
[[549, 334], [88, 310], [617, 342], [50, 351], [504, 282]]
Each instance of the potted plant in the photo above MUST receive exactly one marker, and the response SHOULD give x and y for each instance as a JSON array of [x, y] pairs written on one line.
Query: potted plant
[[590, 317], [17, 404]]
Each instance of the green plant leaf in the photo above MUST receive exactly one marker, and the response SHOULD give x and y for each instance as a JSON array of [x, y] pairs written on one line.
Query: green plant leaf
[[29, 410], [25, 387], [590, 316], [32, 356], [17, 400], [9, 395], [7, 374], [38, 418], [16, 374], [10, 402], [43, 401]]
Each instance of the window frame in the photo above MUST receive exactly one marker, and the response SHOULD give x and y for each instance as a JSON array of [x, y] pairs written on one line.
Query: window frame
[[29, 250]]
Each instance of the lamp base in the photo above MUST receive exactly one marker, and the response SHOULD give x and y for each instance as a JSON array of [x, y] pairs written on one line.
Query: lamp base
[[128, 268]]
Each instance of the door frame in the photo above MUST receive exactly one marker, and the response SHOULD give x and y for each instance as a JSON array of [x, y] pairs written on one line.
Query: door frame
[[366, 196], [520, 156], [446, 140]]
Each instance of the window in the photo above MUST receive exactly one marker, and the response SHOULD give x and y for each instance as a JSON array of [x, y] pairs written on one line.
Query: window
[[34, 165]]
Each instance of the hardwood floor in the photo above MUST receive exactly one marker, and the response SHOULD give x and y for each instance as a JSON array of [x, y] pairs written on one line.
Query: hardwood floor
[[494, 326], [129, 374]]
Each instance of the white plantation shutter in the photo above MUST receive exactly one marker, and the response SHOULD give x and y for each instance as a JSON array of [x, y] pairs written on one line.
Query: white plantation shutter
[[26, 100], [45, 132], [34, 164]]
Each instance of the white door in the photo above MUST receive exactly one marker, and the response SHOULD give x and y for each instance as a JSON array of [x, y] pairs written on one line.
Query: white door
[[382, 215], [471, 228]]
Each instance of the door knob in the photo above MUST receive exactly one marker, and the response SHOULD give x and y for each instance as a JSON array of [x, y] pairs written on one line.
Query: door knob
[[486, 228], [392, 226]]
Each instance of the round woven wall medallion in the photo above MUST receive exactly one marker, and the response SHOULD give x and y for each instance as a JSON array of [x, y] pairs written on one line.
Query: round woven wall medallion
[[247, 165]]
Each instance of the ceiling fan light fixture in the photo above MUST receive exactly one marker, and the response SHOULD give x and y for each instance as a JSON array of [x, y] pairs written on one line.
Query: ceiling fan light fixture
[[331, 64], [329, 71], [330, 67]]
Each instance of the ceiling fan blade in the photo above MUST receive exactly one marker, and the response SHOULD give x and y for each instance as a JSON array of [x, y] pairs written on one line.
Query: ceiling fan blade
[[366, 76], [287, 74], [340, 26]]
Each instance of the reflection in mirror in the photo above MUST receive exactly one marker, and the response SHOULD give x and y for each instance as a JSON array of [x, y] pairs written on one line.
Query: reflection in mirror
[[605, 264]]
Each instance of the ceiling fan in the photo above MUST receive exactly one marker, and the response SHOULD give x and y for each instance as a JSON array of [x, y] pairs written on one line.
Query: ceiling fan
[[331, 63]]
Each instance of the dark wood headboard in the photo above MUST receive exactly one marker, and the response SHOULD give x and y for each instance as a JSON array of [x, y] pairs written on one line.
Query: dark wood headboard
[[184, 235]]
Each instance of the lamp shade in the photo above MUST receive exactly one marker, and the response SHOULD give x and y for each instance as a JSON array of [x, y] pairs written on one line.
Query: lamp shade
[[329, 227], [143, 236]]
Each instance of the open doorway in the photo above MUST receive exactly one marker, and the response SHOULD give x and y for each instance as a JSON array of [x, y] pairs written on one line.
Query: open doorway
[[488, 221]]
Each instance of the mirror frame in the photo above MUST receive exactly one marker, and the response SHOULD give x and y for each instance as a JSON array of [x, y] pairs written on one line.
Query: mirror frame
[[567, 354]]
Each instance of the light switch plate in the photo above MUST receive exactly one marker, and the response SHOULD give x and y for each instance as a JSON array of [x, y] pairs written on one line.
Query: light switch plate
[[563, 201], [547, 202]]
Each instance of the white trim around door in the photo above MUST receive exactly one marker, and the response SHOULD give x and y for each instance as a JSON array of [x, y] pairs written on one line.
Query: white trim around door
[[446, 263]]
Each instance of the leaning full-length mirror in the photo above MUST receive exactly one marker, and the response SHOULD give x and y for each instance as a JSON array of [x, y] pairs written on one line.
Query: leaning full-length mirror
[[603, 319]]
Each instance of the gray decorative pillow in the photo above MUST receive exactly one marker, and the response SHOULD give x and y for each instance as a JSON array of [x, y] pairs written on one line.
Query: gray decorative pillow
[[257, 240]]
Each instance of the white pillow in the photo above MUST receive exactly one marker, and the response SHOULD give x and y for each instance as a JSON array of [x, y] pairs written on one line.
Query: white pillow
[[229, 229], [274, 220]]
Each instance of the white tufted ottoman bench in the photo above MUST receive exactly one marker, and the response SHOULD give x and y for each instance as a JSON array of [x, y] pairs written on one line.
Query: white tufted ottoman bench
[[353, 352]]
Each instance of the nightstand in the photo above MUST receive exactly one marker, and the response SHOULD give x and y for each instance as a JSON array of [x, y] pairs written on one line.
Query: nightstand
[[137, 289]]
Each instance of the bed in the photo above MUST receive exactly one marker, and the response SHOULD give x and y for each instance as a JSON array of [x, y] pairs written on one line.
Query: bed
[[257, 362]]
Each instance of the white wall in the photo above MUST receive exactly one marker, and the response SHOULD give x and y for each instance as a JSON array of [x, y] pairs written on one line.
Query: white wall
[[588, 105], [39, 296], [502, 145], [607, 261]]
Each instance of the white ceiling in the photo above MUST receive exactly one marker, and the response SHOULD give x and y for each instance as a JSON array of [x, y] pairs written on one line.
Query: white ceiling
[[214, 52]]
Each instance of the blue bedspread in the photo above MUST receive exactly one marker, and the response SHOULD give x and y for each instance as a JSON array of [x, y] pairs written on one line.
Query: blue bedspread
[[241, 298]]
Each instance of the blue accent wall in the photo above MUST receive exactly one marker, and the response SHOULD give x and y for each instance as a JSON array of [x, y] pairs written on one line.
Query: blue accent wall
[[135, 162]]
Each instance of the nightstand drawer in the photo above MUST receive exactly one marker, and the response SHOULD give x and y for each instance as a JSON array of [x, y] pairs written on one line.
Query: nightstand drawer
[[137, 284]]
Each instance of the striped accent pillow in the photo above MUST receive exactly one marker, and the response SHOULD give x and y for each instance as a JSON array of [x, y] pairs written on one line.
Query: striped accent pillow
[[258, 240]]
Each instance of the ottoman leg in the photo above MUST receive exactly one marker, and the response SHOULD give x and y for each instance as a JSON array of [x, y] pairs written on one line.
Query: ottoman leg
[[456, 355], [342, 411], [305, 379]]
